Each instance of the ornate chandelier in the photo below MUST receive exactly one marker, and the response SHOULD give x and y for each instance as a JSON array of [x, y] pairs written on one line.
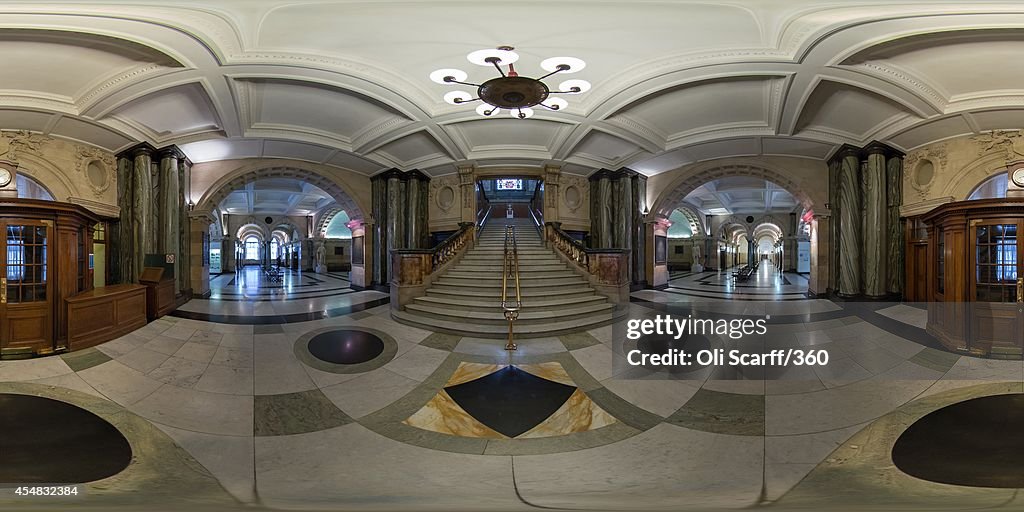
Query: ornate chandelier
[[511, 91]]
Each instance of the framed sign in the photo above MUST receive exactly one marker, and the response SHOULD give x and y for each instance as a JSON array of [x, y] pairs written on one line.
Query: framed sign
[[357, 250], [660, 250]]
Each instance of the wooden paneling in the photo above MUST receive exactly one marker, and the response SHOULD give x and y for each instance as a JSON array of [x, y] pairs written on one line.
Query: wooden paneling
[[103, 314]]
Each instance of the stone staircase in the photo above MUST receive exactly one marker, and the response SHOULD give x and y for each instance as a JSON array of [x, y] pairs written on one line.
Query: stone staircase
[[466, 299]]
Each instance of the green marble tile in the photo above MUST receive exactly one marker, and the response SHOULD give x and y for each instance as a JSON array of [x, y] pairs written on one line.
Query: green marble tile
[[722, 413], [578, 340], [85, 359], [935, 359], [296, 413], [441, 341]]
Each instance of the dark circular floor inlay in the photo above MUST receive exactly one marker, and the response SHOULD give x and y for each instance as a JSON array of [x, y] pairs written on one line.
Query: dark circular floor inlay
[[49, 441], [976, 443], [346, 346]]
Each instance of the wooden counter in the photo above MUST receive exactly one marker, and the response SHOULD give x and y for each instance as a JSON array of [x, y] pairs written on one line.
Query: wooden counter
[[102, 314]]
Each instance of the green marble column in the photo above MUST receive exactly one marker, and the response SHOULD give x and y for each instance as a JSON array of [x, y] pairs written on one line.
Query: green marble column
[[144, 239], [849, 225], [170, 213], [123, 265], [184, 228], [894, 235], [393, 229], [875, 221], [378, 232], [832, 232]]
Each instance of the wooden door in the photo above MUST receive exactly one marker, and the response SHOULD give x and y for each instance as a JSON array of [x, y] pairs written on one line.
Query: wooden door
[[996, 282], [26, 289], [919, 279]]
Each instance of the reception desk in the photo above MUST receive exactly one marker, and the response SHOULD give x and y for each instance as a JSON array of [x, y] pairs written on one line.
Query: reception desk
[[102, 314]]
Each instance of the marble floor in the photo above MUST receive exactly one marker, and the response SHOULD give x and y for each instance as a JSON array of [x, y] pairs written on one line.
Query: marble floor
[[227, 401], [765, 284]]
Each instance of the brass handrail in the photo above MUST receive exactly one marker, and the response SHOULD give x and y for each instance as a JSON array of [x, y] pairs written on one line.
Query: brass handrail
[[510, 269]]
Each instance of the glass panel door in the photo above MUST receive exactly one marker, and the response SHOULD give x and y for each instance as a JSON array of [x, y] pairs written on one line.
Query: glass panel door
[[25, 286], [996, 313], [26, 268]]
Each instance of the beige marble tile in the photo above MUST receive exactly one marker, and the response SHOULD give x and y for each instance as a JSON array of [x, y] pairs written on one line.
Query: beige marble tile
[[442, 414], [578, 414], [551, 370], [472, 371]]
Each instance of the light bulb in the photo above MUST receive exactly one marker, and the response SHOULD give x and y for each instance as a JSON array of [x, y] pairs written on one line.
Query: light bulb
[[438, 76], [551, 64], [457, 97], [484, 108], [479, 57], [567, 85], [527, 112], [556, 103]]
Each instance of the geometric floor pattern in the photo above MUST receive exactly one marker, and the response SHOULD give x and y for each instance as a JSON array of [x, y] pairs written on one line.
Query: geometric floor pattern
[[505, 401]]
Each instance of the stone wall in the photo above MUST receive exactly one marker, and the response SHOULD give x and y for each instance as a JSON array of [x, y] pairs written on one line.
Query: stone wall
[[72, 172], [949, 170]]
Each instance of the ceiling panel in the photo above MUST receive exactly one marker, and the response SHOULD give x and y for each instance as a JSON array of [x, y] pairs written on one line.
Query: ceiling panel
[[172, 112]]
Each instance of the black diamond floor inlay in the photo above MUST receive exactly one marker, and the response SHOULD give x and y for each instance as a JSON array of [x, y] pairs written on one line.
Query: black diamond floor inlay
[[974, 443], [510, 401], [346, 346], [49, 441]]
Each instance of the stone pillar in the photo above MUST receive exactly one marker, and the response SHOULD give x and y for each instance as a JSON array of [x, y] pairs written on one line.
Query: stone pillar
[[832, 233], [400, 213], [601, 197], [227, 254], [184, 230], [393, 230], [378, 233], [412, 203], [199, 269], [710, 256], [875, 220], [467, 189], [144, 240], [123, 262], [849, 225], [819, 277], [552, 180], [894, 234], [170, 212]]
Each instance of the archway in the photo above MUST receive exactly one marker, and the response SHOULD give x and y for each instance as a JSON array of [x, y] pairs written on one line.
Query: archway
[[764, 203]]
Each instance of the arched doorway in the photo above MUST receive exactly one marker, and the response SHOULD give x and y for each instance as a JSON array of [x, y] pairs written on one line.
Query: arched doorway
[[287, 206], [752, 215]]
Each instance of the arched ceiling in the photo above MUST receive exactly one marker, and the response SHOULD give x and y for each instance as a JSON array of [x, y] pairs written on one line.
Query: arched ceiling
[[345, 83], [741, 195], [275, 197]]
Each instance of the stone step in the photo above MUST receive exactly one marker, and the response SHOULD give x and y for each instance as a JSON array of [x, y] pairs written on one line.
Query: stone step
[[529, 303], [494, 293], [539, 330], [495, 284], [497, 316], [492, 266], [459, 273]]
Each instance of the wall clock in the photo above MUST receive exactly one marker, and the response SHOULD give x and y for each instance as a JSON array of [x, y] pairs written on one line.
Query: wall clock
[[5, 177], [1017, 176]]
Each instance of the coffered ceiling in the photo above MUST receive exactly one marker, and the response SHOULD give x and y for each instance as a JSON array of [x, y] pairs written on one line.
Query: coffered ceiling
[[346, 82]]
